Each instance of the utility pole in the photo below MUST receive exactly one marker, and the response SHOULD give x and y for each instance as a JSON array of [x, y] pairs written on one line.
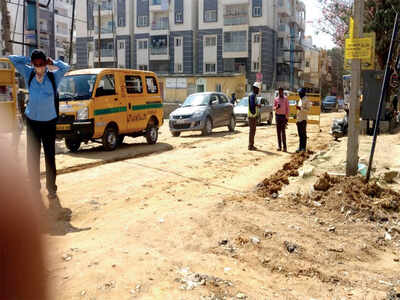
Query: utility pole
[[71, 38], [99, 37], [37, 24], [354, 113]]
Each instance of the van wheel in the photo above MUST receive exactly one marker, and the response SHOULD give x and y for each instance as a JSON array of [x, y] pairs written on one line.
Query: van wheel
[[175, 133], [208, 126], [72, 144], [120, 139], [232, 124], [151, 134], [110, 138]]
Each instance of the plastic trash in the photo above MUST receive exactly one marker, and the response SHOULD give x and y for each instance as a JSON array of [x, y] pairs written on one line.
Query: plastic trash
[[362, 169]]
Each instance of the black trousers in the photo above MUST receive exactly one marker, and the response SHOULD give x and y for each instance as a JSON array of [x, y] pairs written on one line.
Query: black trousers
[[252, 132], [42, 133], [281, 130], [302, 131]]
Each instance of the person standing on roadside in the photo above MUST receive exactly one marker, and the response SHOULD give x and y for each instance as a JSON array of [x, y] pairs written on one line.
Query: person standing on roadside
[[281, 107], [253, 114], [303, 107], [41, 116], [233, 99]]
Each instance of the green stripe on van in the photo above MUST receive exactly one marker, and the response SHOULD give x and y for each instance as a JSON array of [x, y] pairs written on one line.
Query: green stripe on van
[[147, 106], [107, 111]]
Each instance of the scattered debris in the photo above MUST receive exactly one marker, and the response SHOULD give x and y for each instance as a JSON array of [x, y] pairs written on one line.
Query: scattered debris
[[255, 240], [268, 234], [393, 295], [241, 296], [338, 250], [323, 183], [390, 176], [191, 280], [67, 257], [388, 237], [83, 293], [290, 247], [223, 242], [332, 229]]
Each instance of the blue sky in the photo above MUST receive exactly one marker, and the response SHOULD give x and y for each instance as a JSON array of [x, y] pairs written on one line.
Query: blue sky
[[313, 14]]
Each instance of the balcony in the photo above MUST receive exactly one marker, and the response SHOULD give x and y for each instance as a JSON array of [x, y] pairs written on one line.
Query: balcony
[[160, 24], [105, 53], [159, 51], [236, 20], [284, 8], [283, 31]]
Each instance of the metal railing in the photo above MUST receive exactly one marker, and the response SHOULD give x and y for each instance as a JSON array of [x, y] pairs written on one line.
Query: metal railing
[[162, 24], [235, 47], [236, 20], [159, 51], [105, 53]]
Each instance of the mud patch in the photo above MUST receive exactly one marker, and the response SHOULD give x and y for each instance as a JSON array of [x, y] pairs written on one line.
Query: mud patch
[[353, 196], [275, 183]]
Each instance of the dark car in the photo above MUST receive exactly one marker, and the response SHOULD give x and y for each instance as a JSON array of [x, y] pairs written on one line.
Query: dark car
[[330, 103], [202, 112]]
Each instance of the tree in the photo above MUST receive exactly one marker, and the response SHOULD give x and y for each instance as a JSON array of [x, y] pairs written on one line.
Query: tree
[[5, 33], [379, 17], [337, 69]]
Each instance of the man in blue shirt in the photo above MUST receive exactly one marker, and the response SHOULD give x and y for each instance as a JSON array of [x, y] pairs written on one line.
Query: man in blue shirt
[[253, 114], [41, 114]]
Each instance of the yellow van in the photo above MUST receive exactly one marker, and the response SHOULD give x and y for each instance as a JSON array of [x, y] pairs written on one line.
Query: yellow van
[[105, 105]]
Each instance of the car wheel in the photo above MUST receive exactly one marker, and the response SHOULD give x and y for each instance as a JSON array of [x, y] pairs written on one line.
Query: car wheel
[[72, 144], [258, 122], [208, 126], [175, 133], [151, 134], [232, 124], [110, 138]]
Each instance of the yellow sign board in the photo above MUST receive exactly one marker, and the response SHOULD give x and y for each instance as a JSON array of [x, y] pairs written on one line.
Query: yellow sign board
[[358, 48], [314, 115], [366, 64]]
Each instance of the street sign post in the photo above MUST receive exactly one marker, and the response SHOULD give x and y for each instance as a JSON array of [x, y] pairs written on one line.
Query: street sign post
[[360, 48], [366, 64]]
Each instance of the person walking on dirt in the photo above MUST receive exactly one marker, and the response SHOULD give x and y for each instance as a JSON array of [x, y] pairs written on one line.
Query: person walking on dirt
[[303, 107], [281, 107], [253, 114], [41, 115]]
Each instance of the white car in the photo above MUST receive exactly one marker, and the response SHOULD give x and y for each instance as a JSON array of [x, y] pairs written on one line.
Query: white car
[[242, 108]]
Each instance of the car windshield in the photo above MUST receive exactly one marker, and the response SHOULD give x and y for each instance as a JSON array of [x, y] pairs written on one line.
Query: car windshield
[[76, 87], [197, 100], [330, 99], [244, 102]]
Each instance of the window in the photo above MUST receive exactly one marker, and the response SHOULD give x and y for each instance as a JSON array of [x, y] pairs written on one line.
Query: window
[[178, 17], [151, 84], [121, 45], [143, 21], [256, 38], [142, 44], [218, 88], [257, 12], [222, 98], [214, 99], [256, 66], [210, 16], [106, 86], [211, 41], [143, 67], [178, 68], [133, 84], [178, 42], [121, 22], [210, 68]]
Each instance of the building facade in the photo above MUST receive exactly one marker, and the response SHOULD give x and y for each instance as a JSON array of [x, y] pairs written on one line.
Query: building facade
[[105, 39], [54, 27], [259, 38]]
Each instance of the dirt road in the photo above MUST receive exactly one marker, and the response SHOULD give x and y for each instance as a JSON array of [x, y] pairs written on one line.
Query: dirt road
[[141, 226]]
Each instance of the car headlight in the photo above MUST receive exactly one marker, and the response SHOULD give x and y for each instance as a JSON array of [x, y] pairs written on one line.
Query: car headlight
[[198, 114], [83, 114]]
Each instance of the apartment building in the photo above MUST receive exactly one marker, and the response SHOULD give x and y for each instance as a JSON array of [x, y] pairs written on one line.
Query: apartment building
[[54, 26], [165, 35], [238, 37], [105, 39], [291, 28]]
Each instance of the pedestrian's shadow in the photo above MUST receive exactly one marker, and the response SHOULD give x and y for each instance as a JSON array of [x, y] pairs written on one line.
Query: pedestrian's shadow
[[266, 152], [58, 223]]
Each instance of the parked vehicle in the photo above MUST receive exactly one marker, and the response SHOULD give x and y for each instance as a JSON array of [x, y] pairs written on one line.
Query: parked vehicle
[[330, 103], [340, 127], [242, 108], [108, 104], [202, 112]]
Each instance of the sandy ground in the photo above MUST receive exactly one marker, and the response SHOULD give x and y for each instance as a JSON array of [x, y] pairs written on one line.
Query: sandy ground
[[188, 224]]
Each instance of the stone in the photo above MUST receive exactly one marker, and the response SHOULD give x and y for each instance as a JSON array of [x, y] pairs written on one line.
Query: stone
[[241, 296], [390, 176], [332, 229], [67, 257], [223, 242], [255, 240], [388, 237], [290, 247], [317, 204]]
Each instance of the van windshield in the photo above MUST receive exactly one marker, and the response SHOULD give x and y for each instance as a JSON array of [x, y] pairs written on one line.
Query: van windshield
[[76, 87]]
